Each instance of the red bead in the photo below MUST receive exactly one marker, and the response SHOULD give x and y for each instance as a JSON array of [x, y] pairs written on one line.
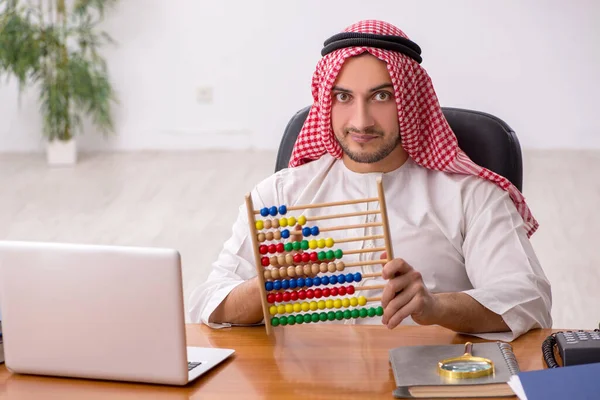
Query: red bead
[[297, 258], [286, 296], [280, 248], [271, 298], [318, 293], [342, 291], [350, 289], [278, 297], [265, 261], [263, 249], [314, 257], [334, 291], [272, 248], [294, 295], [326, 292], [302, 294], [305, 257], [310, 294]]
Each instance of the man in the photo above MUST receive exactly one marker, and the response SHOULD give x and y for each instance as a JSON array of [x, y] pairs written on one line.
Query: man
[[460, 233]]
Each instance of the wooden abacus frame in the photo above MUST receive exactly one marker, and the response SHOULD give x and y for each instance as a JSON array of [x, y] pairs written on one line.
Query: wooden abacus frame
[[386, 236]]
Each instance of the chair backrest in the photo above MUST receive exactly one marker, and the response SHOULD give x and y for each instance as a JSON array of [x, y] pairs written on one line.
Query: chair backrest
[[486, 139]]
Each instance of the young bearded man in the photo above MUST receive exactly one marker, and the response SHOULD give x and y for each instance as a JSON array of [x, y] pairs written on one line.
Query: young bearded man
[[460, 233]]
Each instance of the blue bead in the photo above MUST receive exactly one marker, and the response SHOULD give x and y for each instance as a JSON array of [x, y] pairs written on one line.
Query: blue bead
[[315, 231], [285, 284], [269, 286], [293, 284], [357, 277], [349, 277], [273, 211], [317, 281], [285, 233], [300, 282], [277, 285], [341, 278], [324, 280], [282, 210], [308, 282], [333, 279], [264, 212], [306, 231]]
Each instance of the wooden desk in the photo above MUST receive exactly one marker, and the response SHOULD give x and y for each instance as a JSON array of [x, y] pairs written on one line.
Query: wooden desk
[[304, 361]]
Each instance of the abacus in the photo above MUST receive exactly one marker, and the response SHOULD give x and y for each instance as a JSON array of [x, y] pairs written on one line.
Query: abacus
[[283, 257]]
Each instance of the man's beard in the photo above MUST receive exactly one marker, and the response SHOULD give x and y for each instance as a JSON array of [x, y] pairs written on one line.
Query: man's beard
[[368, 158]]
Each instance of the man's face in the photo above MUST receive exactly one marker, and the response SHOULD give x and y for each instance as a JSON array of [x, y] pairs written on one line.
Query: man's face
[[364, 116]]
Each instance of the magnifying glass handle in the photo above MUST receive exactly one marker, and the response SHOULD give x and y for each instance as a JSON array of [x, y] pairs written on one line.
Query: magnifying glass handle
[[468, 349]]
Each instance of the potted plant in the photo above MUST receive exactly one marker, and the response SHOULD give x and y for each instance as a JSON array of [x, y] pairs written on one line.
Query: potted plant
[[53, 44]]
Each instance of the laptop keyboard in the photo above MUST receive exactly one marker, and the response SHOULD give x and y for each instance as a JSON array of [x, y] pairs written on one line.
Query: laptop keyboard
[[192, 365]]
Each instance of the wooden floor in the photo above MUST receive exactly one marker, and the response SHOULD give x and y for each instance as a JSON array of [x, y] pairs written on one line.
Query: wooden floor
[[188, 200]]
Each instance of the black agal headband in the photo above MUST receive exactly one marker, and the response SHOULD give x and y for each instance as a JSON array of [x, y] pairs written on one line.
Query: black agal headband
[[386, 42]]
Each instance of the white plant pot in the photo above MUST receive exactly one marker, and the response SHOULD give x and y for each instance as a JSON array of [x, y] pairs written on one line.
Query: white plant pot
[[59, 152]]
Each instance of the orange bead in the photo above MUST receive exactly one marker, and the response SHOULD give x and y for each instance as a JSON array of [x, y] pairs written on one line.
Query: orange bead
[[331, 267], [323, 267], [315, 269], [269, 235], [307, 269], [275, 223], [267, 223], [283, 272], [299, 270], [275, 274], [289, 259], [291, 271], [274, 261], [261, 237], [277, 235], [281, 259], [267, 274], [340, 266]]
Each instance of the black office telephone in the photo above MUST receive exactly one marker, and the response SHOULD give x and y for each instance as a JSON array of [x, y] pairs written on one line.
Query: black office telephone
[[574, 348]]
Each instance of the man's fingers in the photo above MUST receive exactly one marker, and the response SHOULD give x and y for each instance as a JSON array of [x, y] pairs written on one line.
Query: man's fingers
[[413, 306], [394, 268], [396, 303], [394, 286]]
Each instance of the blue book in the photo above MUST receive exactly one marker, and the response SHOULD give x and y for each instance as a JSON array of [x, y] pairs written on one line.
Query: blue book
[[581, 382]]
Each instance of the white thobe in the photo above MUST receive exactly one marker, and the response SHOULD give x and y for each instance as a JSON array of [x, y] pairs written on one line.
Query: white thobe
[[461, 232]]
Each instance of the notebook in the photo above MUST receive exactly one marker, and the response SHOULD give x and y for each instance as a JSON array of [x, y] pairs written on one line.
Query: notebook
[[575, 382], [416, 376]]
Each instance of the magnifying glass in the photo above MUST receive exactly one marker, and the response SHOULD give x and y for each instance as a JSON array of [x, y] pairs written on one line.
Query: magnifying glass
[[466, 366]]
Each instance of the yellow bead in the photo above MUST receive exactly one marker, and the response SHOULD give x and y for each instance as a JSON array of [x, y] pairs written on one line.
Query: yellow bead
[[312, 244], [321, 243], [273, 310], [297, 307], [353, 301], [305, 306], [321, 304], [337, 303], [291, 221], [260, 225], [289, 308], [283, 222], [313, 306], [345, 303], [281, 309], [329, 242], [362, 300], [329, 303], [302, 220]]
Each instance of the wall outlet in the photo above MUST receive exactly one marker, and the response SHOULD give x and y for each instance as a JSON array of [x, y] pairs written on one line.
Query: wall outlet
[[204, 94]]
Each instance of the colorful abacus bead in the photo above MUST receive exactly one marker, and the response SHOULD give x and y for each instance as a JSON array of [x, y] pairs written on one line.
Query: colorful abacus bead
[[282, 210], [327, 316]]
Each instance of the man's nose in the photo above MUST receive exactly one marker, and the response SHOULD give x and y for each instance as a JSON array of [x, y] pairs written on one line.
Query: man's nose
[[361, 117]]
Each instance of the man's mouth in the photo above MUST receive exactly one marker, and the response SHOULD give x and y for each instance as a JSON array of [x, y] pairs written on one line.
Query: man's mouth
[[362, 138]]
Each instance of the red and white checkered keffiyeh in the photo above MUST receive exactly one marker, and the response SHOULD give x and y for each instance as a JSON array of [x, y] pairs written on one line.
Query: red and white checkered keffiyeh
[[426, 135]]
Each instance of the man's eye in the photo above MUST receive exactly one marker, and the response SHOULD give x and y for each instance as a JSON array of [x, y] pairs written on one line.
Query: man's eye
[[383, 96], [342, 97]]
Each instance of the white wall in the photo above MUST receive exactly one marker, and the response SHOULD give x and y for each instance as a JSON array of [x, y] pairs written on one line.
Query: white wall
[[533, 63]]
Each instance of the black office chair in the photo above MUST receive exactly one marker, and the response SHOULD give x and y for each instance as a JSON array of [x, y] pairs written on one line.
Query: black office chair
[[486, 139]]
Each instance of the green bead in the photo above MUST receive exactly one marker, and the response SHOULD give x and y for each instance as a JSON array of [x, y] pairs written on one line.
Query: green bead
[[283, 320], [322, 255], [363, 312], [379, 311], [331, 315], [330, 255], [288, 247], [372, 312], [323, 316], [307, 318], [304, 245], [296, 245], [347, 314], [291, 320], [274, 321], [339, 315], [315, 317], [338, 253], [355, 313], [299, 319]]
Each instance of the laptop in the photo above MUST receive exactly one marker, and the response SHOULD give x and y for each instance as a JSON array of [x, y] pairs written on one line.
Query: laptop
[[97, 312]]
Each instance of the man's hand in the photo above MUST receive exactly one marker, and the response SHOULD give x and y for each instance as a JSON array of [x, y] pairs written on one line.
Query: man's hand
[[405, 295]]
